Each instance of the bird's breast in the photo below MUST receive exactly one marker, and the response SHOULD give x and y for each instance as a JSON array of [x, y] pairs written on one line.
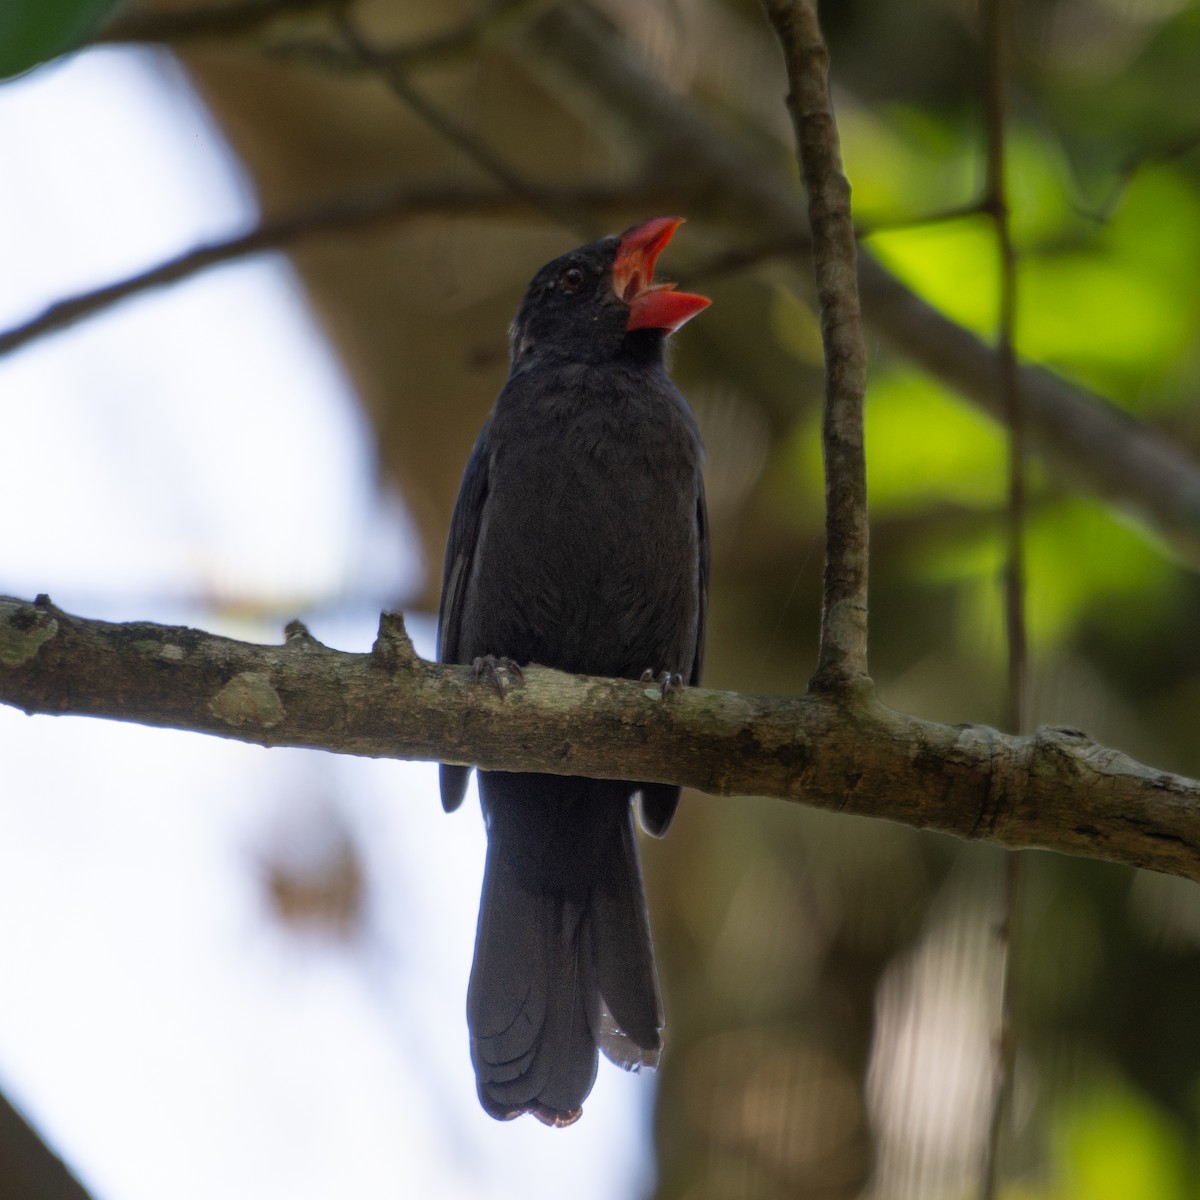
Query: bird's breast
[[589, 548]]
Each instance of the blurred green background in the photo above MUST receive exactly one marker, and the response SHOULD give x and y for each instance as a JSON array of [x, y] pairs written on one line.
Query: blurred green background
[[831, 983]]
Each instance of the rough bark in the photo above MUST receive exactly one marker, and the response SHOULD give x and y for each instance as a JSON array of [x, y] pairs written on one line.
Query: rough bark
[[843, 656], [1055, 789]]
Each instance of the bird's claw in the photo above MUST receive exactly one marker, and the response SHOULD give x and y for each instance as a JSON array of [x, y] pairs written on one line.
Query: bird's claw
[[668, 681], [493, 669]]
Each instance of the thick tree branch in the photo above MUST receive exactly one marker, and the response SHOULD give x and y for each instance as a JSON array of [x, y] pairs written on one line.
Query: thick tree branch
[[843, 654], [1056, 789]]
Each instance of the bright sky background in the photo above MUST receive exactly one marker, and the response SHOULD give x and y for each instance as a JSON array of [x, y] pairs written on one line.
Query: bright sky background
[[200, 444]]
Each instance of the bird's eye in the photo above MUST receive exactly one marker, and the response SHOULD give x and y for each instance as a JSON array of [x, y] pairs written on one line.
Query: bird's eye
[[571, 280]]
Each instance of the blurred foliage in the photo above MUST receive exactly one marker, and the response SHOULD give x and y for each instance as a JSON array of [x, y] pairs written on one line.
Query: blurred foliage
[[1104, 155], [1116, 1144], [32, 31], [830, 982]]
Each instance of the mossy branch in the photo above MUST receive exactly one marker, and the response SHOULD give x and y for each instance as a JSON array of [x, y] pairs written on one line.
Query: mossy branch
[[1055, 789]]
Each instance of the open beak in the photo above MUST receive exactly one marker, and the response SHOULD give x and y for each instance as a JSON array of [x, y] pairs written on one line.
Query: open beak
[[651, 305]]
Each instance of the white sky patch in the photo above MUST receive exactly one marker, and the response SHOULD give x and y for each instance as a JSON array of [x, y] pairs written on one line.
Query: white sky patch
[[201, 443], [211, 417]]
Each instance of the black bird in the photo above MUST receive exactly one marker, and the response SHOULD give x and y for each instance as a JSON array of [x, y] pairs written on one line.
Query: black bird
[[578, 541]]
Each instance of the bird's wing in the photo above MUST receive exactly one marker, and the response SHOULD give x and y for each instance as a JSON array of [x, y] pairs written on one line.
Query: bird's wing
[[659, 800], [460, 550], [704, 554], [460, 554]]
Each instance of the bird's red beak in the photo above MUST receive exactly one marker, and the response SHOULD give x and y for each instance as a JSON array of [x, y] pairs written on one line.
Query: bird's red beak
[[651, 305]]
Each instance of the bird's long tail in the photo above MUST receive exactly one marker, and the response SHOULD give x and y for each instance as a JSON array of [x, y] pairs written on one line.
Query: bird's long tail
[[563, 964]]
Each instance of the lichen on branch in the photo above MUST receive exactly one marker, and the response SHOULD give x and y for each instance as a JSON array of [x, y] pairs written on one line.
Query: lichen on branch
[[1055, 789]]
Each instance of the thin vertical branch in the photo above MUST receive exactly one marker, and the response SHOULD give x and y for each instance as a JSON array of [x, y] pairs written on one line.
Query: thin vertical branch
[[843, 654], [994, 19], [1007, 377]]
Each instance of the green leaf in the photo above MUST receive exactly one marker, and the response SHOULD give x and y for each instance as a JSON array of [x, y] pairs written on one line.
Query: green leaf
[[1121, 310], [1117, 1145], [927, 448], [32, 31], [1080, 559], [951, 264], [904, 165]]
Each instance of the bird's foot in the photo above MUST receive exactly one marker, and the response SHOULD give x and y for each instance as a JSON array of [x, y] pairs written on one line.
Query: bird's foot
[[493, 669], [669, 681]]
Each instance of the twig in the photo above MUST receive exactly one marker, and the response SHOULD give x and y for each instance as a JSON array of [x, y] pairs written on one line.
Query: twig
[[843, 654], [352, 214], [209, 21], [729, 262], [956, 212], [246, 18], [1177, 147], [394, 74], [1008, 384], [995, 32]]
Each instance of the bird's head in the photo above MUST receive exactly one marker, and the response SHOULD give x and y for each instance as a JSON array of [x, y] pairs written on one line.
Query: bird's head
[[600, 301]]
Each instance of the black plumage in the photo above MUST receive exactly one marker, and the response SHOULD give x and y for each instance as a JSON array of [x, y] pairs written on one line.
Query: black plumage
[[578, 541]]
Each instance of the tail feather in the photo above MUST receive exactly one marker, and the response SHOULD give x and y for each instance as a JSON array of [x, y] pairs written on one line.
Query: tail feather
[[568, 1049], [563, 961], [617, 1046], [625, 970], [510, 950]]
